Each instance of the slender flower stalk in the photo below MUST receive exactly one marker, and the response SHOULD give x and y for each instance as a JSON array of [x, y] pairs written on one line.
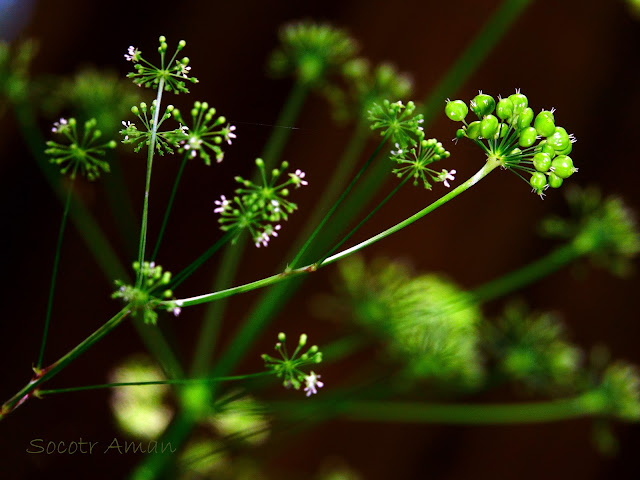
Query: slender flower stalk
[[145, 208], [489, 166], [176, 381], [49, 372], [54, 276]]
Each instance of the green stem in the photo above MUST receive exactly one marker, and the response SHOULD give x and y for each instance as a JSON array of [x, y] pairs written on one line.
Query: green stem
[[145, 208], [49, 372], [233, 254], [54, 276], [167, 212], [489, 166], [528, 274], [456, 414], [346, 191], [365, 219], [176, 381]]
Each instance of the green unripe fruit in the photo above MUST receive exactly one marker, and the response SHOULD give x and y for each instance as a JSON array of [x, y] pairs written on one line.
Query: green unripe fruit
[[563, 166], [542, 162], [459, 133], [525, 118], [520, 102], [504, 110], [503, 128], [135, 110], [483, 105], [544, 147], [473, 130], [456, 110], [538, 181], [545, 123], [489, 126], [567, 150], [528, 137], [559, 140], [554, 180]]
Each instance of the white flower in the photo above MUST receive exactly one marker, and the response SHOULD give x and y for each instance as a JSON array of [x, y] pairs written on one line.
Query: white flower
[[184, 70], [60, 125], [276, 206], [176, 311], [132, 54], [312, 384], [397, 152], [447, 176], [265, 236], [228, 133], [222, 204], [297, 178], [184, 129]]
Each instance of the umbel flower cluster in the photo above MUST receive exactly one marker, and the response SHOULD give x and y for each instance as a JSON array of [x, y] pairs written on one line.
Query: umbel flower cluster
[[259, 207], [413, 154], [80, 153], [146, 296], [541, 150], [288, 368]]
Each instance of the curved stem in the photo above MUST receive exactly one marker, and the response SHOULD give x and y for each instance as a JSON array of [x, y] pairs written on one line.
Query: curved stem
[[54, 276], [489, 166], [167, 212], [49, 372], [337, 203], [145, 208]]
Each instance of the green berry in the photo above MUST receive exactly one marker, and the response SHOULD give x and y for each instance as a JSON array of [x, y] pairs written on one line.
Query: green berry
[[563, 167], [504, 110], [554, 180], [545, 123], [483, 105], [528, 137], [459, 133], [456, 110], [520, 102], [525, 118], [559, 140], [538, 181], [566, 150], [542, 162], [489, 126], [473, 130], [544, 147]]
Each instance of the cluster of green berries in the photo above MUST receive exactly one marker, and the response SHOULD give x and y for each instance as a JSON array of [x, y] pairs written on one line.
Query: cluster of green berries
[[146, 295], [397, 121], [206, 133], [173, 73], [415, 161], [288, 367], [508, 136], [81, 152], [258, 207], [311, 51]]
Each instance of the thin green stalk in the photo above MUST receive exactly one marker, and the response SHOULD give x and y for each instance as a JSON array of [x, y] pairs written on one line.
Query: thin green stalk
[[364, 220], [488, 167], [530, 273], [167, 212], [346, 191], [233, 254], [49, 372], [175, 381], [505, 414], [54, 276], [145, 207], [197, 263]]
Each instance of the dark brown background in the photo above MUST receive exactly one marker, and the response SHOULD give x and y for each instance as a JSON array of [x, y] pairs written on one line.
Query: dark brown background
[[579, 57]]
